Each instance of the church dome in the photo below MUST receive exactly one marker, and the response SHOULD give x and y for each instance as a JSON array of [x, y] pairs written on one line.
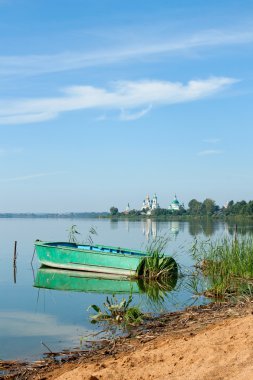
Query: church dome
[[175, 204]]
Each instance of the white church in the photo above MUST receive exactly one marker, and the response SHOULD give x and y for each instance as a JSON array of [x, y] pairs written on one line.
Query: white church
[[148, 205], [175, 205]]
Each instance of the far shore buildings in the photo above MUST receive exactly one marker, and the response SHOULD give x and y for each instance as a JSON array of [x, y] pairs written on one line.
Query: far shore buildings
[[175, 205], [127, 209], [149, 205]]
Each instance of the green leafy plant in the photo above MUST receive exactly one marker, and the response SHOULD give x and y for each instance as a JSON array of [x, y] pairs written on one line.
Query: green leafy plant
[[119, 312]]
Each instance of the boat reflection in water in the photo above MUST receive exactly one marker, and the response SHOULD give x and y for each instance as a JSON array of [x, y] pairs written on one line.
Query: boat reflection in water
[[90, 282]]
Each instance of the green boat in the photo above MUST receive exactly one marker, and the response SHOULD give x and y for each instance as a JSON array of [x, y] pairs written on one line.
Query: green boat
[[91, 258], [87, 282]]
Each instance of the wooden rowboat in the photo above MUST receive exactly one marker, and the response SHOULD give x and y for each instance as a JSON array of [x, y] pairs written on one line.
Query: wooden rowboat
[[91, 258]]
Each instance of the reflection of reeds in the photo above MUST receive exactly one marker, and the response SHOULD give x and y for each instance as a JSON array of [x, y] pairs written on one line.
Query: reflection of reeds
[[156, 291], [228, 266]]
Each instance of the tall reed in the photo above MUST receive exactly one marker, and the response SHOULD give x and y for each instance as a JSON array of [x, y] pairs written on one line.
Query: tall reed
[[228, 264], [156, 265]]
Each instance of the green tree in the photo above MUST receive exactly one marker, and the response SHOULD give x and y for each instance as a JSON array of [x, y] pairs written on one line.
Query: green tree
[[229, 209], [208, 207], [194, 207], [114, 210], [239, 208], [250, 208], [161, 211]]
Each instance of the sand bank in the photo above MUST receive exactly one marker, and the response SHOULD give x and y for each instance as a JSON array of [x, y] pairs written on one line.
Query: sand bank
[[213, 344]]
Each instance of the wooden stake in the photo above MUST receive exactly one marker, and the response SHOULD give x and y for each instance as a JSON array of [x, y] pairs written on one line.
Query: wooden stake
[[14, 262], [15, 253]]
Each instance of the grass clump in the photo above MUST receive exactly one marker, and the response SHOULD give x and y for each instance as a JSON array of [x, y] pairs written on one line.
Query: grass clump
[[156, 265], [119, 312], [227, 264]]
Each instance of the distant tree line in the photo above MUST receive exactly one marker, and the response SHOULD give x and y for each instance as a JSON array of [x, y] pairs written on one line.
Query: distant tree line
[[209, 208], [196, 208]]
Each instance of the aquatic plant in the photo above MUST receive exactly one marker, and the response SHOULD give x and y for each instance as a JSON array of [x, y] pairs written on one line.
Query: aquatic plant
[[92, 232], [227, 264], [72, 234], [120, 312], [156, 265]]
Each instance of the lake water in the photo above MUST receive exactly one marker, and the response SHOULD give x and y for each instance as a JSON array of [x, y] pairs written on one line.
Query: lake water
[[59, 318]]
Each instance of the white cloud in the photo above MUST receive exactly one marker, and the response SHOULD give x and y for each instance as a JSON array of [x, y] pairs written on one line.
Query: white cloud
[[39, 64], [123, 95], [30, 176], [27, 118], [210, 152]]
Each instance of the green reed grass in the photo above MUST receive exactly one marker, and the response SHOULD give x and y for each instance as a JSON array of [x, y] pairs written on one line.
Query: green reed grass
[[227, 264], [156, 265]]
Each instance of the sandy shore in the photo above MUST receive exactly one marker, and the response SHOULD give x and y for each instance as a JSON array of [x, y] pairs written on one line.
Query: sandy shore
[[201, 343], [218, 349]]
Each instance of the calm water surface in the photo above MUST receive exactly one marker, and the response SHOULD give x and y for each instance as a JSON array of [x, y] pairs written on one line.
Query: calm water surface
[[29, 316]]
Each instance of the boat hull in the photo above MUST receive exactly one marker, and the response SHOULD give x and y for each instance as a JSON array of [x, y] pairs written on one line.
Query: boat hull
[[99, 259]]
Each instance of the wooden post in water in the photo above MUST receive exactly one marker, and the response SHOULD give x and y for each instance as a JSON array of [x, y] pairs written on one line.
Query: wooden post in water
[[14, 262]]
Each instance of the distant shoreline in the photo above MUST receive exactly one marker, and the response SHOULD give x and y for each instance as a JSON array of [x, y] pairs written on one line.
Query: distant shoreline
[[70, 215], [105, 215]]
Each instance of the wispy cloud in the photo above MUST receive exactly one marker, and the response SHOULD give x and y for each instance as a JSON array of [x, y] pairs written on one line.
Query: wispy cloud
[[40, 64], [210, 152], [29, 177], [123, 95], [126, 116]]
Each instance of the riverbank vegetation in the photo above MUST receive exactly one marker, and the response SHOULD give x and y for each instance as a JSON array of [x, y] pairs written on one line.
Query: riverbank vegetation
[[226, 265]]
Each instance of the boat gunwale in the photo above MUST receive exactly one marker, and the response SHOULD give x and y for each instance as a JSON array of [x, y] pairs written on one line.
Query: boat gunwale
[[139, 254]]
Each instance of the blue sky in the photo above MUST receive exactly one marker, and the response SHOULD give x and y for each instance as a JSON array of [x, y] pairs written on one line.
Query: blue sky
[[102, 102]]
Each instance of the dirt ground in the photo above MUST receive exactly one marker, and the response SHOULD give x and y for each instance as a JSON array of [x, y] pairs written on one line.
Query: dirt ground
[[221, 350], [211, 342]]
